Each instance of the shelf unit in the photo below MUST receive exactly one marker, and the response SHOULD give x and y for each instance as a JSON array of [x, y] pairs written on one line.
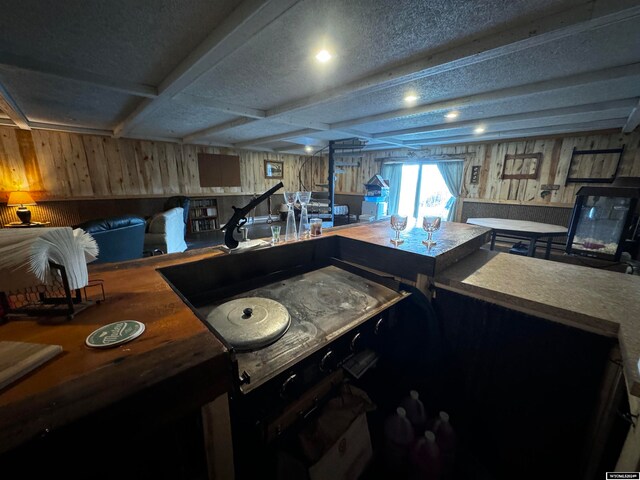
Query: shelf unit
[[203, 215]]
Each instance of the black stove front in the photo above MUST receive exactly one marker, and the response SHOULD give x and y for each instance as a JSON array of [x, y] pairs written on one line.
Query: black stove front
[[337, 312]]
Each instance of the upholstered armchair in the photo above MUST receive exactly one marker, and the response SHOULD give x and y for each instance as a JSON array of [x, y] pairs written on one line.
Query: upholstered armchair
[[165, 232], [182, 202]]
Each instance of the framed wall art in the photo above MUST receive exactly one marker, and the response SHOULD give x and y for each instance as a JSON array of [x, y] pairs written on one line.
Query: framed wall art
[[273, 169], [521, 166]]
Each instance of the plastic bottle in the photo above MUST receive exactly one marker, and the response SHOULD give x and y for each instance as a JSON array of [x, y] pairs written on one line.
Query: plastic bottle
[[425, 458], [415, 412], [398, 439], [446, 440]]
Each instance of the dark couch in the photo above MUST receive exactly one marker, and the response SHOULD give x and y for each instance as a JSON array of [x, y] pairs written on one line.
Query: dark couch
[[118, 238]]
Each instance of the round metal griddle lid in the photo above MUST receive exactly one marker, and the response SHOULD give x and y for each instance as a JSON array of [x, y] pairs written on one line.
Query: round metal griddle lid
[[250, 323]]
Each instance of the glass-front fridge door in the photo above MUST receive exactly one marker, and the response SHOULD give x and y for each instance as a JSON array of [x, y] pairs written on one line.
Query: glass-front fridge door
[[600, 225]]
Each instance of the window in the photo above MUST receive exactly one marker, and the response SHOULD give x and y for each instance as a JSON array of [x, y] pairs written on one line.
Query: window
[[423, 191]]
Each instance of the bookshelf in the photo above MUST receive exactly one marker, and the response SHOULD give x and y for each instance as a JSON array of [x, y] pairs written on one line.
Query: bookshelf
[[203, 215]]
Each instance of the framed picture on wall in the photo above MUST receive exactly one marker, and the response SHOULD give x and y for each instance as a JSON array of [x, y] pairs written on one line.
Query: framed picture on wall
[[273, 169]]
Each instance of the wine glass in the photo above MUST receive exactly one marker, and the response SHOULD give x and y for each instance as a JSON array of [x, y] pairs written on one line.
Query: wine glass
[[398, 223], [290, 233], [430, 223]]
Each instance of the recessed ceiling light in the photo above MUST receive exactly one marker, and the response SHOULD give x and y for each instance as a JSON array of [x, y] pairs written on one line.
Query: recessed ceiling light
[[411, 98], [479, 130], [308, 148], [323, 56], [452, 114]]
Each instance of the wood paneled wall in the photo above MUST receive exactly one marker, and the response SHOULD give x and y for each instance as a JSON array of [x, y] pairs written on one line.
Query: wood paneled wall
[[59, 165], [556, 156]]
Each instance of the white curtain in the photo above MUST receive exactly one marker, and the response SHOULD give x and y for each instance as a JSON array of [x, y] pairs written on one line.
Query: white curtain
[[393, 173], [452, 174]]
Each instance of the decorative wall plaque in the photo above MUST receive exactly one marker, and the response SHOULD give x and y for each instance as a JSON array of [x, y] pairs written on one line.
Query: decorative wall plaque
[[475, 174]]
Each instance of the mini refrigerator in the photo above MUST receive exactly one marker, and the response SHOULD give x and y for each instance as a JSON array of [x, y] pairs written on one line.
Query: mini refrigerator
[[605, 222]]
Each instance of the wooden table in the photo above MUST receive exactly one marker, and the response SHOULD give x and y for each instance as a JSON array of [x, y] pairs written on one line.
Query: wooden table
[[27, 225], [521, 228]]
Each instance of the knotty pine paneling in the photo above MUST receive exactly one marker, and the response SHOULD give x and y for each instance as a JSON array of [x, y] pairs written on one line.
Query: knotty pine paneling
[[556, 156], [59, 165]]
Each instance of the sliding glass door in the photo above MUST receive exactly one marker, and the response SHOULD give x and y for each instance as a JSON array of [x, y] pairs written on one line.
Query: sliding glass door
[[423, 191]]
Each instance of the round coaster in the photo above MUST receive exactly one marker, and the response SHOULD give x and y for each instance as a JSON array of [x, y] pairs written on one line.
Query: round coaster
[[115, 333]]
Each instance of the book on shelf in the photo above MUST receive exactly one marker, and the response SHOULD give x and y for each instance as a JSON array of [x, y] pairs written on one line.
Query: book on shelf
[[203, 225]]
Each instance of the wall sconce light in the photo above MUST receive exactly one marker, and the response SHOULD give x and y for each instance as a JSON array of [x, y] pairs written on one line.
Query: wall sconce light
[[20, 199]]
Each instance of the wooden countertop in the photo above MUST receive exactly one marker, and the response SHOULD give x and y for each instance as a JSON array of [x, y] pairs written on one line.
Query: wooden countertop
[[607, 303], [453, 242], [81, 381]]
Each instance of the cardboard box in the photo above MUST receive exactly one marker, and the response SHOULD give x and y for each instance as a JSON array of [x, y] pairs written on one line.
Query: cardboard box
[[348, 457], [345, 460]]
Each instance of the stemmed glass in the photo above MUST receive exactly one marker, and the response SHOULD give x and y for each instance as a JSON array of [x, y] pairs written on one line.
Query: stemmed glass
[[398, 223], [430, 223], [290, 233], [304, 198]]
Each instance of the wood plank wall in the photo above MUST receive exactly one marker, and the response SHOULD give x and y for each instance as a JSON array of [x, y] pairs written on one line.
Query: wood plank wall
[[60, 165], [556, 156]]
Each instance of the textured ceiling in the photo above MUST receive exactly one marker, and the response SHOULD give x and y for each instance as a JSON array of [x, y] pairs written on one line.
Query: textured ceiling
[[243, 73]]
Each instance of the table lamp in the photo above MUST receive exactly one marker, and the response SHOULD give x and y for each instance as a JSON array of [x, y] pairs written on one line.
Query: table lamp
[[20, 199]]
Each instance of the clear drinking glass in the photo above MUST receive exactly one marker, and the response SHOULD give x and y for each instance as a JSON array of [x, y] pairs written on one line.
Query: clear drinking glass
[[304, 198], [398, 223], [430, 223], [290, 232], [316, 227], [275, 234]]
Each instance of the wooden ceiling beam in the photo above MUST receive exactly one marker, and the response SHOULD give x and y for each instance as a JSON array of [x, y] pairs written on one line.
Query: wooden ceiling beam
[[216, 128], [501, 94], [311, 131], [547, 29], [389, 137], [11, 108], [538, 32], [274, 138], [69, 128], [229, 108], [633, 121], [536, 114], [547, 130], [250, 17], [16, 62], [367, 136]]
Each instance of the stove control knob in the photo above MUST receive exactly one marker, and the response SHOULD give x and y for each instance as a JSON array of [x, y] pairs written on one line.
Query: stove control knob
[[288, 386], [328, 362], [356, 342]]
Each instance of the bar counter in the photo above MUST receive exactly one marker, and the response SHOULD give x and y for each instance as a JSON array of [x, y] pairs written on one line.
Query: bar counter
[[176, 344]]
